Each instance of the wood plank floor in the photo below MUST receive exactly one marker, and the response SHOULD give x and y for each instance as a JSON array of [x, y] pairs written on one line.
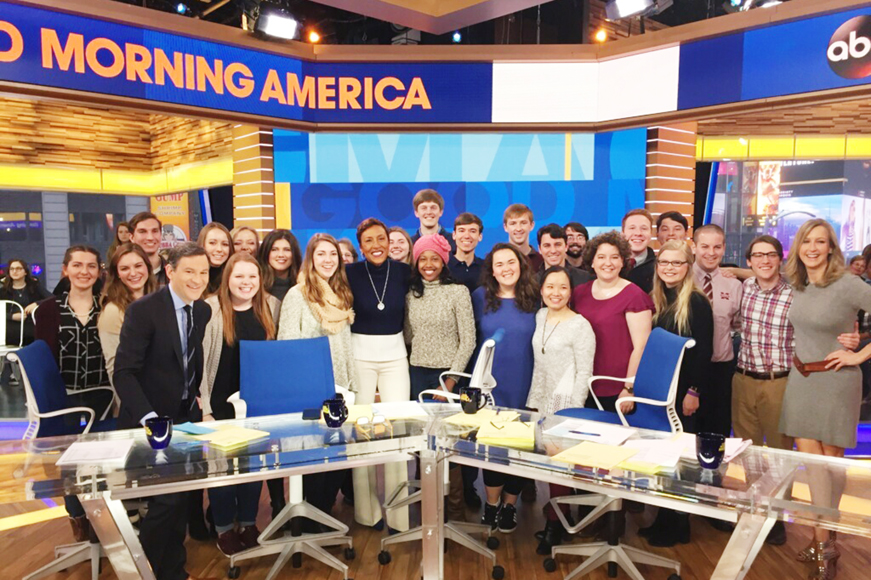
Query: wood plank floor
[[25, 549]]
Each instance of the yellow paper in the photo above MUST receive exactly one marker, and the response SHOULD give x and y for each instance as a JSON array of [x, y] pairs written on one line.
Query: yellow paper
[[595, 455], [514, 434], [231, 436], [354, 413], [481, 417]]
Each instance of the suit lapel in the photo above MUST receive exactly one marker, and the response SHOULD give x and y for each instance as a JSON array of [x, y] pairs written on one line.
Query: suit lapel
[[174, 330]]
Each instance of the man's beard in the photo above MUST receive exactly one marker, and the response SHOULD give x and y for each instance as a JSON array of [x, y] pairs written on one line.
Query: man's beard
[[574, 251]]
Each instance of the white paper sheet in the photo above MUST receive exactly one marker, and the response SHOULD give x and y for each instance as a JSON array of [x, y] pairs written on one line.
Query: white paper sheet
[[662, 452], [603, 433], [400, 410], [96, 452]]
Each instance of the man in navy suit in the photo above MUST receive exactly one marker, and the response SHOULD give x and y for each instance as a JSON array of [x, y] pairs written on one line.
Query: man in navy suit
[[158, 368]]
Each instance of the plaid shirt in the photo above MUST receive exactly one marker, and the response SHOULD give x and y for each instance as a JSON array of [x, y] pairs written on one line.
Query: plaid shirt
[[81, 354], [767, 337]]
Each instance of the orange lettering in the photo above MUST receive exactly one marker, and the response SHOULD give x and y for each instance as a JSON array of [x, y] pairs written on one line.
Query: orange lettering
[[189, 72], [162, 68], [138, 62], [367, 93], [272, 88], [384, 102], [246, 84], [112, 70], [305, 95], [416, 95], [74, 51], [326, 93], [215, 77], [16, 43], [349, 89]]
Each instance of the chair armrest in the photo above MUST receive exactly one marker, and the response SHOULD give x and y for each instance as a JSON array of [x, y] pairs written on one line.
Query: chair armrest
[[450, 374], [70, 411], [349, 396], [92, 389], [636, 400], [438, 393], [239, 405], [602, 377]]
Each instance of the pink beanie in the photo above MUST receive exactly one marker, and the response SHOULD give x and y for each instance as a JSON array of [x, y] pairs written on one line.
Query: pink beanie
[[434, 242]]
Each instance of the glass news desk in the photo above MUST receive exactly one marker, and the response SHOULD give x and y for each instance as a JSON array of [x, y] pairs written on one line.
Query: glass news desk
[[758, 487]]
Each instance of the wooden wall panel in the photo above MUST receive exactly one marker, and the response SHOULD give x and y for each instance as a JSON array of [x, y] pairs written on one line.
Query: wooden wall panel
[[830, 119], [671, 170], [54, 133], [253, 182]]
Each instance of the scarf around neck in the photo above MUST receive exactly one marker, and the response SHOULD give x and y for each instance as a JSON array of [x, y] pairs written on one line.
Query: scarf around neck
[[331, 316]]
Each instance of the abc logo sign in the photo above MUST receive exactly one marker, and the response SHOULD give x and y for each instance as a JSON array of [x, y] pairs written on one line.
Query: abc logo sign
[[849, 50]]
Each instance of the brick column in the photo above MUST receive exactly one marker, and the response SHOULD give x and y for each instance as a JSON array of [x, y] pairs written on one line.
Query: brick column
[[253, 181], [671, 169]]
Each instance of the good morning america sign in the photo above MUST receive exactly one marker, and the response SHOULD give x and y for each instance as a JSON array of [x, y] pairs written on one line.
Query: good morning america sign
[[53, 49]]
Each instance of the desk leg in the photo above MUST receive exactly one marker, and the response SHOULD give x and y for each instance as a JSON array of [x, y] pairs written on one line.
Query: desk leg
[[120, 543], [743, 546], [432, 479]]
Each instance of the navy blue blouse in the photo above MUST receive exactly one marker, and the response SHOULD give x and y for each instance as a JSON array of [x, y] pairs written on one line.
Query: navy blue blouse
[[368, 319]]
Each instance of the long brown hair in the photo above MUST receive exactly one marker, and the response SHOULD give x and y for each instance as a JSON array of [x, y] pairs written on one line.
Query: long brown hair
[[263, 255], [680, 309], [795, 268], [311, 290], [115, 291], [262, 311], [526, 295], [30, 281]]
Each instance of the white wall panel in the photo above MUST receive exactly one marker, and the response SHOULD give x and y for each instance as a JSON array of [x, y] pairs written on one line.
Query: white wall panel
[[563, 92], [639, 84]]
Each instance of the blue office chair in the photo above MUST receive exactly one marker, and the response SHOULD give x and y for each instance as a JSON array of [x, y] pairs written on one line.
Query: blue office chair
[[655, 385], [267, 388], [655, 393], [47, 403]]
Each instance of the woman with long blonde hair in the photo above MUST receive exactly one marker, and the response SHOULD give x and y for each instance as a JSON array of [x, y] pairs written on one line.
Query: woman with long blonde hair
[[241, 310], [682, 309], [321, 305], [821, 407], [245, 239]]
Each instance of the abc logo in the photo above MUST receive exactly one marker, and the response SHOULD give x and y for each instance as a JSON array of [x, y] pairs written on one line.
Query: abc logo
[[849, 50]]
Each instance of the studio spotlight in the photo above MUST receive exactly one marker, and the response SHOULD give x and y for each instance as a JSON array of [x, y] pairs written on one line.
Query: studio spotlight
[[456, 37], [275, 21], [620, 9], [314, 37], [601, 35], [181, 8]]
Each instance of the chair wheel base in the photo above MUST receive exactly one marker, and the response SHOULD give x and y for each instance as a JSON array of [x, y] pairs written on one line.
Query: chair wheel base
[[384, 557], [498, 573], [350, 553], [550, 565], [493, 542], [234, 572]]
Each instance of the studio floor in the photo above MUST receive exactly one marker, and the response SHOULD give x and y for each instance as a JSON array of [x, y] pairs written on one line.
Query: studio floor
[[26, 548]]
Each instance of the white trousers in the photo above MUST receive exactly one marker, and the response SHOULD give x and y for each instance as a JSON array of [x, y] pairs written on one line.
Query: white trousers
[[391, 380]]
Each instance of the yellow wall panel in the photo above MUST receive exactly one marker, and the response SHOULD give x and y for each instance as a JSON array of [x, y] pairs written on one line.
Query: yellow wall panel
[[282, 206], [210, 173], [818, 147], [47, 178], [772, 147], [859, 146], [724, 148], [132, 182]]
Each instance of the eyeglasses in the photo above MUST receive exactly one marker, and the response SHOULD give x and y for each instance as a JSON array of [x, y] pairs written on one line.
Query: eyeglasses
[[769, 255], [672, 263], [16, 269]]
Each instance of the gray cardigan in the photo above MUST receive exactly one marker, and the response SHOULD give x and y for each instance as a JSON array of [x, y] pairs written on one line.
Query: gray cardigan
[[213, 342], [297, 321]]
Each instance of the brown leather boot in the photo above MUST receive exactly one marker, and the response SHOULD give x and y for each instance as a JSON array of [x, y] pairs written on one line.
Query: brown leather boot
[[455, 509], [81, 528]]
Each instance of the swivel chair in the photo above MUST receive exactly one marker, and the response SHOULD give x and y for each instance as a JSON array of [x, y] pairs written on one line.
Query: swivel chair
[[47, 404], [655, 393], [266, 389]]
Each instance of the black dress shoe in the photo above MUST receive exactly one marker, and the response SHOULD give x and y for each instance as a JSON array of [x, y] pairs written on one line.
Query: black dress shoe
[[471, 497], [677, 532], [198, 531], [721, 525], [777, 535], [551, 536]]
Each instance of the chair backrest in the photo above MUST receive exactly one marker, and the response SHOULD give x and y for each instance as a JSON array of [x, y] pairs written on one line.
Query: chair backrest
[[657, 378], [285, 376], [15, 307], [44, 389]]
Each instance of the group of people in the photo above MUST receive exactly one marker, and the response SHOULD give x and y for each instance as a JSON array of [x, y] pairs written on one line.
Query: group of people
[[164, 333]]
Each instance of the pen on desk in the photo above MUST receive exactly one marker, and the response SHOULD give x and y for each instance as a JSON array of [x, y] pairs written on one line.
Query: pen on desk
[[586, 433]]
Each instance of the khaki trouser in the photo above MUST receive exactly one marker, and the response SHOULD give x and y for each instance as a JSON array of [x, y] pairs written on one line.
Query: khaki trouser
[[756, 406]]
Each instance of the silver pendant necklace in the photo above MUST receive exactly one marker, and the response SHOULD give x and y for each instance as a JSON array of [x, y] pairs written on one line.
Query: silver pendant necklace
[[380, 299], [545, 336]]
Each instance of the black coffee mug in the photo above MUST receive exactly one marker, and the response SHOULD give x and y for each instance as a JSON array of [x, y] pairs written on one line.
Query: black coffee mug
[[335, 412], [158, 430], [472, 400], [710, 448]]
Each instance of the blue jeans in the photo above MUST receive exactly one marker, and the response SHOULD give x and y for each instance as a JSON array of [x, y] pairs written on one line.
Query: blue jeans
[[234, 502]]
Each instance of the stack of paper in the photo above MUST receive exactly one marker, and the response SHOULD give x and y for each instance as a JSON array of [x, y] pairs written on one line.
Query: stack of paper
[[591, 431], [113, 450], [230, 436], [595, 455], [654, 455], [513, 434], [401, 410], [481, 417]]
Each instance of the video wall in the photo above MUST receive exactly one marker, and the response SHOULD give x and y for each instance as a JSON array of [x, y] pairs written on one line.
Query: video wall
[[776, 197], [338, 179]]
